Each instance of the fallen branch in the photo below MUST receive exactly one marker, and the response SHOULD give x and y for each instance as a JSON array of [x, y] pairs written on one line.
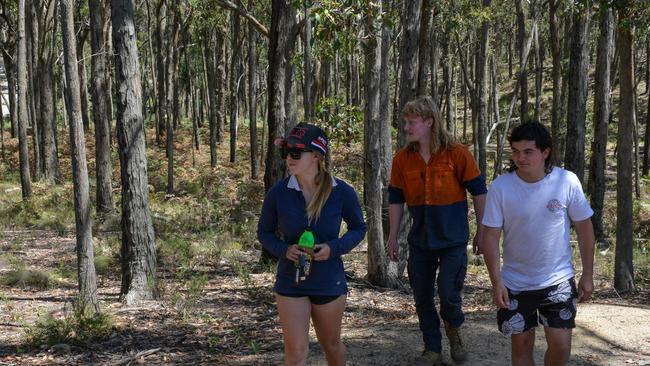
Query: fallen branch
[[128, 360]]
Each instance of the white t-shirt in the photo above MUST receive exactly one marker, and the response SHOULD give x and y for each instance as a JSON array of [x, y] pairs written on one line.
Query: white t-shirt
[[536, 218]]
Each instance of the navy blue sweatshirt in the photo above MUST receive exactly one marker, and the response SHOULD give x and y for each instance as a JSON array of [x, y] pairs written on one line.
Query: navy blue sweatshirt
[[284, 219]]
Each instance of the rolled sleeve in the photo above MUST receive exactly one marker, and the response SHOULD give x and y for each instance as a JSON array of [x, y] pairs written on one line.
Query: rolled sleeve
[[395, 195]]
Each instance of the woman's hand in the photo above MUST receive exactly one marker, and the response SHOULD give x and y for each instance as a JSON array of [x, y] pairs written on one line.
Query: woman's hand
[[321, 252], [293, 252]]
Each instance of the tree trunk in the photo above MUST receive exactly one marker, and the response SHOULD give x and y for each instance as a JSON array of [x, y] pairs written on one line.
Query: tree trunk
[[2, 134], [435, 61], [373, 184], [447, 75], [25, 179], [138, 250], [574, 157], [10, 73], [556, 75], [34, 82], [386, 143], [212, 94], [88, 302], [598, 163], [424, 45], [281, 50], [481, 90], [646, 143], [172, 91], [252, 95], [104, 167], [282, 45], [408, 59], [308, 80], [623, 260], [220, 58], [48, 126], [234, 82], [561, 137], [161, 110], [523, 79], [83, 85], [539, 63]]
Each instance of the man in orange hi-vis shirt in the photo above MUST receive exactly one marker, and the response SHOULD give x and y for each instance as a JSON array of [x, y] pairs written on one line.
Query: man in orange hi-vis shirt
[[432, 175]]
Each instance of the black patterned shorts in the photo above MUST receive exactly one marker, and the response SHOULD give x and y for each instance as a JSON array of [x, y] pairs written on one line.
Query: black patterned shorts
[[553, 307]]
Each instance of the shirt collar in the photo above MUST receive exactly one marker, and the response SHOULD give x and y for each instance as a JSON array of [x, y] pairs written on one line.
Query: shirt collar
[[293, 183]]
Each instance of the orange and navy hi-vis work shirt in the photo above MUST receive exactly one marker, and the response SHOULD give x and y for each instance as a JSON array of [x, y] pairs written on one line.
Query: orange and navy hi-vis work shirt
[[436, 194]]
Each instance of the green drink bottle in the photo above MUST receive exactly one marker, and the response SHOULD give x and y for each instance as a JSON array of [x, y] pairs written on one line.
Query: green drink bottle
[[303, 266]]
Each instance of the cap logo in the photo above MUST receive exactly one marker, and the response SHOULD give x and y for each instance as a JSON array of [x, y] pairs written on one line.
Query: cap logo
[[298, 132]]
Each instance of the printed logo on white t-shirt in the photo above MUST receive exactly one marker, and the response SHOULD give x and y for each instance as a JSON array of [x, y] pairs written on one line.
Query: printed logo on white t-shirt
[[554, 205]]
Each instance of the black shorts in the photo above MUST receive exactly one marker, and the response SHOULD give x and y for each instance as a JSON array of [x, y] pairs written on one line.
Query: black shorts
[[553, 307], [314, 299]]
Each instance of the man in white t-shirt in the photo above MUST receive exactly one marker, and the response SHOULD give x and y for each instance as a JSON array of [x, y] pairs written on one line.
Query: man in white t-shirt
[[534, 204]]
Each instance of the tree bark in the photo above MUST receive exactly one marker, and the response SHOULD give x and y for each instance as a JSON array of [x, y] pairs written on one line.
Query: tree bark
[[556, 75], [281, 50], [447, 75], [481, 90], [308, 80], [161, 105], [220, 58], [623, 260], [373, 183], [171, 88], [138, 250], [539, 64], [425, 42], [252, 95], [561, 138], [408, 59], [602, 101], [25, 178], [646, 143], [48, 128], [104, 167], [88, 302], [234, 82], [10, 73], [435, 62], [523, 79], [34, 82], [574, 158], [83, 85], [208, 58]]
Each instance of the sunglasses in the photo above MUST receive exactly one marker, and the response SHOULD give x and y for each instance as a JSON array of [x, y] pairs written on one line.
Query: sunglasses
[[294, 152]]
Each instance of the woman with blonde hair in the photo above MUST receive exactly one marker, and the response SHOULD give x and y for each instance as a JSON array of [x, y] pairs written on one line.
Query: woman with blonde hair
[[432, 175], [309, 206]]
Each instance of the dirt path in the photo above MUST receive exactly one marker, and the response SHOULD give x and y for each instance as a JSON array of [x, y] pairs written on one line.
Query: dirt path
[[234, 321]]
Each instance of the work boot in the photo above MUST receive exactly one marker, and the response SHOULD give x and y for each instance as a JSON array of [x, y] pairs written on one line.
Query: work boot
[[428, 358], [456, 343]]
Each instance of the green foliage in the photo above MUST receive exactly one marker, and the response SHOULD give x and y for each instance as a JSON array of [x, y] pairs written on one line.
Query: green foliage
[[65, 271], [106, 265], [72, 328], [51, 208], [23, 278], [342, 122]]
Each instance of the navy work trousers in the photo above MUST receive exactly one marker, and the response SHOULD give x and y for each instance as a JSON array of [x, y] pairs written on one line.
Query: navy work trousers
[[451, 266]]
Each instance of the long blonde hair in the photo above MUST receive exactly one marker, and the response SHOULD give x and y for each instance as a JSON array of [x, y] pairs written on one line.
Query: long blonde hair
[[425, 107], [323, 182]]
